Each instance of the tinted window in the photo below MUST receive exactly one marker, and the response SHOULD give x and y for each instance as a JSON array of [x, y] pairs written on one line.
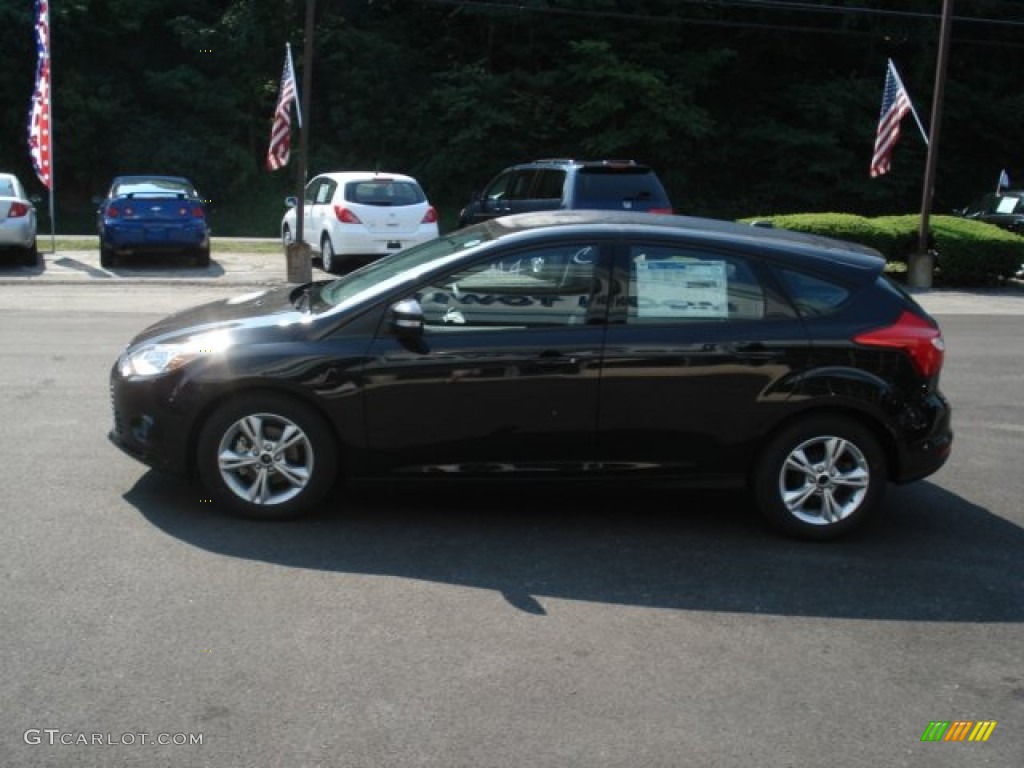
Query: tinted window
[[536, 288], [811, 295], [498, 189], [519, 186], [549, 185], [676, 285], [385, 192], [615, 185]]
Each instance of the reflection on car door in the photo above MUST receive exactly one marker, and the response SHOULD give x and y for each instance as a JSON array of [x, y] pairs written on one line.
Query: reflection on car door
[[698, 354], [504, 377]]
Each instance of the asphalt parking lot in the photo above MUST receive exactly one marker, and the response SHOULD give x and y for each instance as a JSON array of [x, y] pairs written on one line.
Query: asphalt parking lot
[[462, 627]]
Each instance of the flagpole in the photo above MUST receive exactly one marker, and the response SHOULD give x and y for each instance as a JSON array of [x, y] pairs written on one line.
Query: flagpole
[[921, 265], [298, 257], [899, 81], [49, 120]]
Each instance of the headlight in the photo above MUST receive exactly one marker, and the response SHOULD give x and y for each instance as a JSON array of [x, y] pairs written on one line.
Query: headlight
[[157, 359]]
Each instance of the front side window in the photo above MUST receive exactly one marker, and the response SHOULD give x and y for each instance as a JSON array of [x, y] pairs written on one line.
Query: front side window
[[679, 285], [498, 189], [534, 288]]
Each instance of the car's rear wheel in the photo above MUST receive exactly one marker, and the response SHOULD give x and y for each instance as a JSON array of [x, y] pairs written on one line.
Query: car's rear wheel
[[106, 257], [201, 257], [820, 477], [30, 255], [327, 258], [266, 456]]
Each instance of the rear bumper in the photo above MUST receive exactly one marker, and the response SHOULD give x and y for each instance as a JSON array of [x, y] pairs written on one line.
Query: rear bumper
[[139, 237], [17, 233], [924, 455], [355, 242]]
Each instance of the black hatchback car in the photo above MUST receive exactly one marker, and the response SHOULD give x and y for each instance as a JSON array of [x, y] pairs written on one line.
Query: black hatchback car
[[566, 184], [562, 343]]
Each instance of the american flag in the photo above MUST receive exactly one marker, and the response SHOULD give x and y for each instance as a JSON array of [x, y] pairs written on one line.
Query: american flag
[[281, 132], [895, 105], [40, 141]]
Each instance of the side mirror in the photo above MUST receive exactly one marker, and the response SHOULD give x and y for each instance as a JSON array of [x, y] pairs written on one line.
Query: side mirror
[[407, 318], [291, 201]]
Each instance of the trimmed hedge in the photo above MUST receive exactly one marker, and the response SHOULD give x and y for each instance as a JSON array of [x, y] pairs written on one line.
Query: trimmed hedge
[[969, 252]]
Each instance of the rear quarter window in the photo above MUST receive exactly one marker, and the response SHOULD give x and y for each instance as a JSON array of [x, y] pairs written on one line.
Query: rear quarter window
[[812, 295]]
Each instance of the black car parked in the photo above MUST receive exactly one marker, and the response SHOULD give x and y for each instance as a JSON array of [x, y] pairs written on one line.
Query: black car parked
[[1005, 209], [577, 343], [564, 184]]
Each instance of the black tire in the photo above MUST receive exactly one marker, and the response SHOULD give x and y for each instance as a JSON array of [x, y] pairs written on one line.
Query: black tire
[[106, 257], [30, 255], [291, 482], [840, 484], [328, 261], [201, 257]]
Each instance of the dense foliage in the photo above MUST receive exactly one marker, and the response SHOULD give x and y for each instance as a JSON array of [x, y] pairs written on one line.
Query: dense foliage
[[743, 108], [969, 252]]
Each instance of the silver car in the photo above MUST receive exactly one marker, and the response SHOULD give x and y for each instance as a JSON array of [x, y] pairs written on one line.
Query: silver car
[[17, 220]]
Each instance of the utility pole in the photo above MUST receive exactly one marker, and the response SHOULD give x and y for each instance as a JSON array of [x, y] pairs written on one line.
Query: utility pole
[[922, 264], [299, 254]]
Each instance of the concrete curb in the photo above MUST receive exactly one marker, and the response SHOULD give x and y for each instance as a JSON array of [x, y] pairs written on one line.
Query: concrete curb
[[246, 270]]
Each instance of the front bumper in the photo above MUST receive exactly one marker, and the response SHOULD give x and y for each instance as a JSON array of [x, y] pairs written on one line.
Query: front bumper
[[149, 422]]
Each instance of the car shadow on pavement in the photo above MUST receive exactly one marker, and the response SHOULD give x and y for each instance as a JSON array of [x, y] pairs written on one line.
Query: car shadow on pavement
[[931, 555], [162, 265]]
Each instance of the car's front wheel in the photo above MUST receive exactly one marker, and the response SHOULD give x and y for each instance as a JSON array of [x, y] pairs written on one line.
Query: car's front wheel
[[266, 456], [327, 258], [820, 478]]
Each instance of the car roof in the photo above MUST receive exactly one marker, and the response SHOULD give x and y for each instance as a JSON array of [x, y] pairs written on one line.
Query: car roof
[[344, 176], [561, 162], [148, 177], [710, 231]]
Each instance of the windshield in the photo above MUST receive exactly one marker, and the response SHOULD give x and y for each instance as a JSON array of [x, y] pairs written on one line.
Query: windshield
[[403, 267]]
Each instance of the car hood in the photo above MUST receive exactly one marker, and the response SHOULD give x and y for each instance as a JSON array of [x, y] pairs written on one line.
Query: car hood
[[277, 314]]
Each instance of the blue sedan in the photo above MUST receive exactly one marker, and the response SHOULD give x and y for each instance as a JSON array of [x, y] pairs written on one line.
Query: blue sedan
[[152, 214]]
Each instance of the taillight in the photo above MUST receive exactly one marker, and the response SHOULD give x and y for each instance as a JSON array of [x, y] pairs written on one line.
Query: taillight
[[665, 211], [345, 216], [430, 216], [112, 212], [17, 210], [198, 212], [921, 340]]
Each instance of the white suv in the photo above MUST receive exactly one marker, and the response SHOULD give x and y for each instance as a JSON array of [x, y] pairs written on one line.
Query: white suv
[[361, 214]]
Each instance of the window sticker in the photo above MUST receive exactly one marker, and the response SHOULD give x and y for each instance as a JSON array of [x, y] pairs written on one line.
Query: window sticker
[[1007, 204], [681, 288]]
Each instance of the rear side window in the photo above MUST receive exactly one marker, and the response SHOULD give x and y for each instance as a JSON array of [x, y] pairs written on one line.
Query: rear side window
[[384, 192], [613, 187], [677, 285], [549, 185], [813, 296]]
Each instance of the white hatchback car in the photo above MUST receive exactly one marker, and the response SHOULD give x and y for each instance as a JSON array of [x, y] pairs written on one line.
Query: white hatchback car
[[17, 220], [361, 214]]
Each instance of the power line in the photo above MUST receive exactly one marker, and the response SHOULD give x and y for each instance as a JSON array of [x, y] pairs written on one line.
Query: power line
[[773, 5]]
